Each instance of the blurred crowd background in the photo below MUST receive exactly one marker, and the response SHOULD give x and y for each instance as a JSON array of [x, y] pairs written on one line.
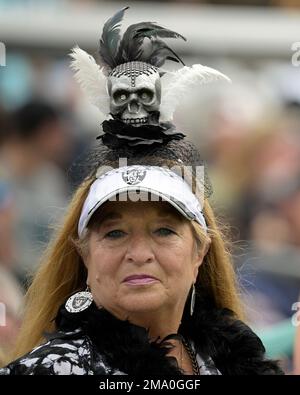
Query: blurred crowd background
[[248, 133]]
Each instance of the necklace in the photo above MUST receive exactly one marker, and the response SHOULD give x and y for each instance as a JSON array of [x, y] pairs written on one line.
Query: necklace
[[192, 356]]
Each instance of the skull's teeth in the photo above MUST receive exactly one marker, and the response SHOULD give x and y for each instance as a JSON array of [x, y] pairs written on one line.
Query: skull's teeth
[[135, 120]]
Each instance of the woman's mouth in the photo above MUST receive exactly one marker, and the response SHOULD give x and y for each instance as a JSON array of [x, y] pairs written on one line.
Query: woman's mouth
[[140, 279]]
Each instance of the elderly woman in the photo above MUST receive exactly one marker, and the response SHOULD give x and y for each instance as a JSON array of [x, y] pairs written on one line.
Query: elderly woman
[[151, 284], [138, 280]]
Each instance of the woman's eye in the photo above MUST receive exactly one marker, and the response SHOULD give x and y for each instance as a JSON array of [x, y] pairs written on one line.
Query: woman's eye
[[114, 234], [164, 232]]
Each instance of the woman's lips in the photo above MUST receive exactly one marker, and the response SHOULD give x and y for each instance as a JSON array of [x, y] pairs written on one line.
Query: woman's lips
[[140, 279]]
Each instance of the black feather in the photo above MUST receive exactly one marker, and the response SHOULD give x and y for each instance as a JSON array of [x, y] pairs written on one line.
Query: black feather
[[158, 52], [151, 29], [130, 48], [109, 42], [131, 45], [115, 50]]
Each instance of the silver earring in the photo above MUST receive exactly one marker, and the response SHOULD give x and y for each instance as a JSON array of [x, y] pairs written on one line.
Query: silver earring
[[79, 301], [193, 299]]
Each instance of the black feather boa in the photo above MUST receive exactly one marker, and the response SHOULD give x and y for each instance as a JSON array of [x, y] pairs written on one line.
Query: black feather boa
[[232, 345]]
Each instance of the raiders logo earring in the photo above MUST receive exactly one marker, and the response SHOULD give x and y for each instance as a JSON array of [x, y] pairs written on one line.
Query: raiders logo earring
[[79, 301]]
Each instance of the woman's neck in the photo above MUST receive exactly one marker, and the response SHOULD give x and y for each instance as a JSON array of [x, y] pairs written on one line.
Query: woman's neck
[[180, 353], [161, 327], [158, 327], [158, 324]]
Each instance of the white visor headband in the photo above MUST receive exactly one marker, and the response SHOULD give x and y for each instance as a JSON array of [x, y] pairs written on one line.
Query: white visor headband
[[158, 181]]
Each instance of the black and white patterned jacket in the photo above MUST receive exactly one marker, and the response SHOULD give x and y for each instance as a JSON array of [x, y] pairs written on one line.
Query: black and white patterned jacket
[[94, 342]]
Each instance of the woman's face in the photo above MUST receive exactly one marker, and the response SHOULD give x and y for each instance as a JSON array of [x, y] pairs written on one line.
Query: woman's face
[[142, 258]]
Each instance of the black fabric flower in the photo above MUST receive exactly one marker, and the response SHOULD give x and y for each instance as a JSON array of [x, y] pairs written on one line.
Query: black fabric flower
[[119, 134]]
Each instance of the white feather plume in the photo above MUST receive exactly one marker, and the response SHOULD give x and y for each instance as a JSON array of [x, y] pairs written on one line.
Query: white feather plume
[[180, 84], [91, 79]]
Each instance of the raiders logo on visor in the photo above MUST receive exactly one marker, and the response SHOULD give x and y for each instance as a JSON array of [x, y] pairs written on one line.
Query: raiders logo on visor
[[133, 176]]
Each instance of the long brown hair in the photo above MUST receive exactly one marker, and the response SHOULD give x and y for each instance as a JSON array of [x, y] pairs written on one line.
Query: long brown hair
[[62, 272], [216, 275]]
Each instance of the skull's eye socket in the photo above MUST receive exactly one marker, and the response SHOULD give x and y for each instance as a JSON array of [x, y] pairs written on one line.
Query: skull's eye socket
[[120, 96], [145, 95]]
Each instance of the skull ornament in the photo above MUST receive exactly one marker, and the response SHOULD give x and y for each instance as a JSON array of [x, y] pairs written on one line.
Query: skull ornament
[[135, 93]]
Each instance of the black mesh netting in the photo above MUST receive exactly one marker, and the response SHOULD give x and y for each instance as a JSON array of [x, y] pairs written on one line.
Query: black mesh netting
[[179, 153]]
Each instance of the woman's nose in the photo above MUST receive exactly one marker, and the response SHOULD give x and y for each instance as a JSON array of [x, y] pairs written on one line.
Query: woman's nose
[[139, 250]]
